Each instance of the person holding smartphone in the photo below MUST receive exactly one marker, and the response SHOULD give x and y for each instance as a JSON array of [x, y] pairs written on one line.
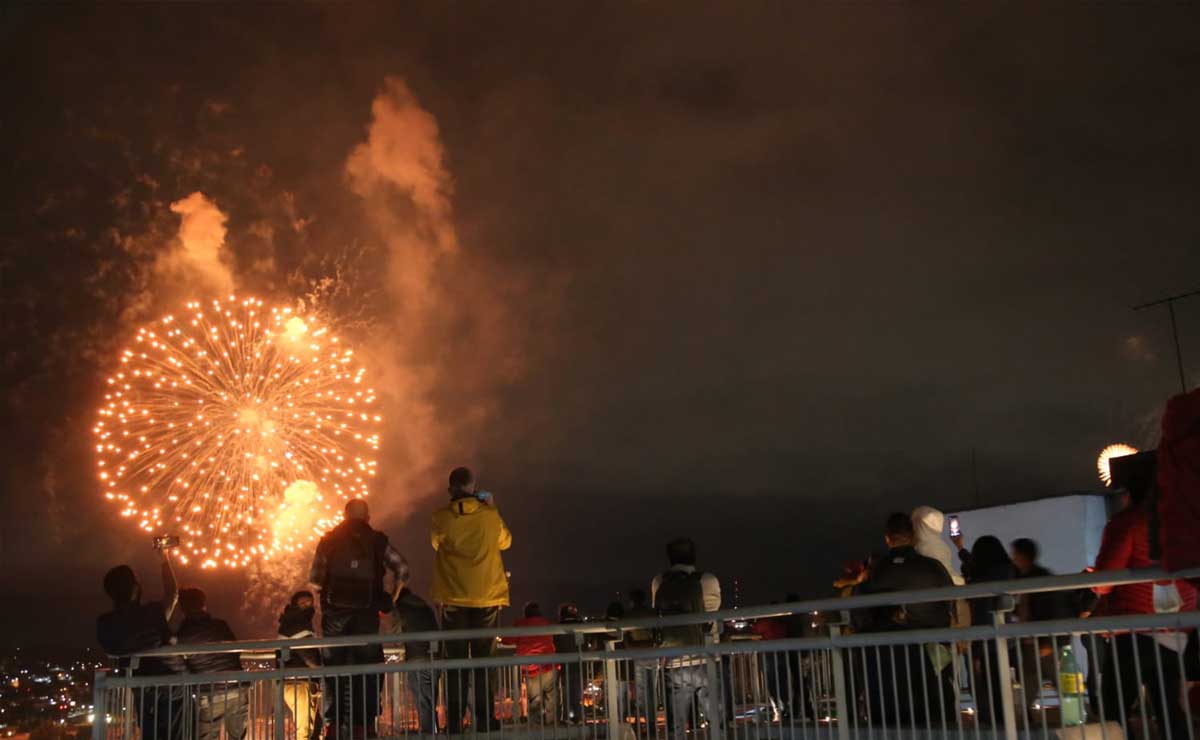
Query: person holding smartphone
[[470, 585], [134, 626]]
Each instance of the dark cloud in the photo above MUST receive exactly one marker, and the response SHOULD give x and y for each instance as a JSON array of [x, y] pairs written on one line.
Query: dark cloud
[[766, 273]]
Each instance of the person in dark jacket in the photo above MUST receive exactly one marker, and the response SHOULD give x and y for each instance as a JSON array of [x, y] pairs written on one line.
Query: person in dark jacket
[[986, 561], [349, 569], [1036, 661], [133, 626], [218, 705], [919, 669], [296, 623], [413, 614]]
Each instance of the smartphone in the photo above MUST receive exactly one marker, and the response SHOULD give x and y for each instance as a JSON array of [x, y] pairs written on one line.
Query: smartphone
[[955, 530], [166, 542]]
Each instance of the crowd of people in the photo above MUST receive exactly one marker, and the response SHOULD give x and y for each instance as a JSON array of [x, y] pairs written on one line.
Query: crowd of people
[[357, 576]]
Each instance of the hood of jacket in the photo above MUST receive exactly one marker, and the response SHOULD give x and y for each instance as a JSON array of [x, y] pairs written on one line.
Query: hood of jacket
[[927, 526], [928, 521]]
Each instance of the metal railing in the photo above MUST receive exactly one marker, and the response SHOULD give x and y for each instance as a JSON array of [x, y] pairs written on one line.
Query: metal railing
[[1110, 678]]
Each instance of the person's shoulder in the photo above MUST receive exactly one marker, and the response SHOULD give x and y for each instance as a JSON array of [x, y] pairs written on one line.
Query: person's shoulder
[[934, 567], [222, 627]]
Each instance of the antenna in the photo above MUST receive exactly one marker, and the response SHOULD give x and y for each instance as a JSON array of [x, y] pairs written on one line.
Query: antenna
[[1170, 301]]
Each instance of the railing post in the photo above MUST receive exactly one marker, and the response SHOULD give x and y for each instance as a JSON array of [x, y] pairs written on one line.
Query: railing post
[[715, 710], [612, 700], [127, 705], [839, 685], [99, 707], [1004, 668], [277, 711]]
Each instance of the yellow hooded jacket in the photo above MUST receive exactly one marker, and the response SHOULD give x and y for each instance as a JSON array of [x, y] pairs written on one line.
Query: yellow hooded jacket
[[468, 570]]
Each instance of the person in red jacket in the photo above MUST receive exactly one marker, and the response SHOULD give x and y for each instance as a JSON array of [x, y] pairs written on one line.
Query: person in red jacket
[[1126, 544], [541, 679], [1179, 483]]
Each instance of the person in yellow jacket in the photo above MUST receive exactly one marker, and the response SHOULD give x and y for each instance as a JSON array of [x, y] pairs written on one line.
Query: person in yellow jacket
[[470, 585]]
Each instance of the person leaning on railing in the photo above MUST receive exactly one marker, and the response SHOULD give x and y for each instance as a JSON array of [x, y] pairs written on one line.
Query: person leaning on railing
[[296, 623], [541, 679], [413, 614], [219, 705], [132, 627]]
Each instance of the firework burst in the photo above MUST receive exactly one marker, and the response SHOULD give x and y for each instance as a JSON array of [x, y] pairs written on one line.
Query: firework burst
[[243, 428]]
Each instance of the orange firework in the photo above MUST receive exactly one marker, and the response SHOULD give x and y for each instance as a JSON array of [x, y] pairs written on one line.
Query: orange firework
[[242, 428]]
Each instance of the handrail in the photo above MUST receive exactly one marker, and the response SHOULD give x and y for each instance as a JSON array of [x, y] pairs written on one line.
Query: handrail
[[1013, 587], [1121, 623]]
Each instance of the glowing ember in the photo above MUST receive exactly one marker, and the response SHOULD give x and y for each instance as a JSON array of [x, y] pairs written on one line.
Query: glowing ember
[[243, 429], [1117, 450]]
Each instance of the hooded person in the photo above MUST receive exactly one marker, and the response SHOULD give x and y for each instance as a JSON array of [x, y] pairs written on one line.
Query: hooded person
[[1179, 483], [927, 524]]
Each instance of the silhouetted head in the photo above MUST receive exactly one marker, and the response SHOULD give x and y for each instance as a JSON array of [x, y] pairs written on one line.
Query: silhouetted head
[[462, 482], [357, 509], [568, 612], [615, 611], [532, 609], [989, 560], [122, 585], [303, 600], [681, 551], [898, 530], [637, 598], [1024, 554], [193, 602]]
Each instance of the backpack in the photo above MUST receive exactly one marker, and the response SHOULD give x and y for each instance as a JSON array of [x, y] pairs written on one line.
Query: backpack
[[679, 593], [355, 572]]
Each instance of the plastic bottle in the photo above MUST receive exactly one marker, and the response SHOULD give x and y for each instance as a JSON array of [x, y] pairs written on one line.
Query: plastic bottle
[[1072, 706]]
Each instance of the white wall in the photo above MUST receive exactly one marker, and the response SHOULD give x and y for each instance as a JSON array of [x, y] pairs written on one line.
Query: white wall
[[1066, 528]]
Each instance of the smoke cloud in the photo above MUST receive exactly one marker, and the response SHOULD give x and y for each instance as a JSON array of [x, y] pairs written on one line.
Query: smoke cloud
[[445, 307], [199, 254], [400, 173]]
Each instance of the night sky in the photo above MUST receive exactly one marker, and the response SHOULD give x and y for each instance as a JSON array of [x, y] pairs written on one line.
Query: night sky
[[652, 269]]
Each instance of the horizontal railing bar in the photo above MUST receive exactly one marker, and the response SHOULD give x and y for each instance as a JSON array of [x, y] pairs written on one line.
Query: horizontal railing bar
[[1121, 623], [892, 598]]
